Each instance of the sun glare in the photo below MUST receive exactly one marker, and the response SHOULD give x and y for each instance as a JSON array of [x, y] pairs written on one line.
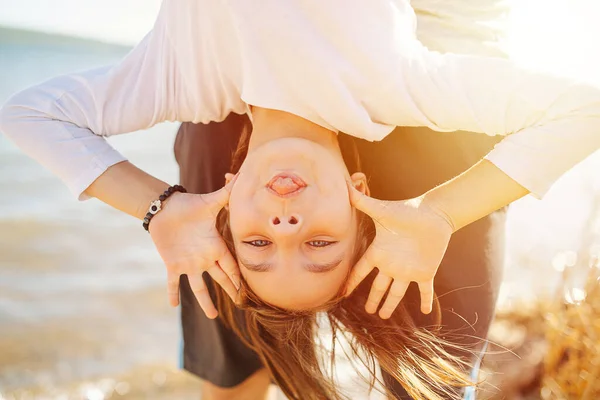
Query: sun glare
[[559, 36]]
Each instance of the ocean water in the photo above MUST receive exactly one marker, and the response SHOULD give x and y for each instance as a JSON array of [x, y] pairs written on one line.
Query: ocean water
[[83, 309], [81, 286]]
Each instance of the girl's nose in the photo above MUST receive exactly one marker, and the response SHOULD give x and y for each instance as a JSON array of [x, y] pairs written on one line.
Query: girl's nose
[[286, 224]]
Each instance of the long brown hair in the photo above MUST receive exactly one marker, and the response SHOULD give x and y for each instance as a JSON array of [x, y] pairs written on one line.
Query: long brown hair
[[285, 340]]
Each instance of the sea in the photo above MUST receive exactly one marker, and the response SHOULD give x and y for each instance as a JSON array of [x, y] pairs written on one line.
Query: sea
[[81, 287], [83, 305]]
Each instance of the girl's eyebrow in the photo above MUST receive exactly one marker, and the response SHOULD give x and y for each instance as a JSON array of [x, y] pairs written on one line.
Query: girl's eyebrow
[[326, 267], [262, 267], [315, 268]]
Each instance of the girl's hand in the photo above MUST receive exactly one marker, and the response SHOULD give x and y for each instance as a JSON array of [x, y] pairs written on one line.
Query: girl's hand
[[410, 242], [187, 239]]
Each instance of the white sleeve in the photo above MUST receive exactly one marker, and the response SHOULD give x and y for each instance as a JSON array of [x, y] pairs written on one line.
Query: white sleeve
[[60, 123], [553, 123]]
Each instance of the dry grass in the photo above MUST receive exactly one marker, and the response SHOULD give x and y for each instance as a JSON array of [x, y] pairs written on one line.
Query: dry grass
[[572, 362], [549, 350]]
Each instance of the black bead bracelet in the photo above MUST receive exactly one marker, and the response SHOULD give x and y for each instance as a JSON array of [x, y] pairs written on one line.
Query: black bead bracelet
[[156, 205]]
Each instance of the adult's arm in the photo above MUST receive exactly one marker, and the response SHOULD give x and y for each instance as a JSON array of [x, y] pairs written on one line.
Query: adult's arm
[[169, 76], [551, 123], [62, 123]]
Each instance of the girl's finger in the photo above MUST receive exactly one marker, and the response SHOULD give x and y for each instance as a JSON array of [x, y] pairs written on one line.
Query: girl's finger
[[173, 288], [397, 292], [201, 292], [219, 199], [370, 206], [230, 266], [427, 293], [380, 286], [360, 271], [221, 278]]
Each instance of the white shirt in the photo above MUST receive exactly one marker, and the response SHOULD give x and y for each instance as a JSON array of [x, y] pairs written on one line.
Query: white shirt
[[355, 67]]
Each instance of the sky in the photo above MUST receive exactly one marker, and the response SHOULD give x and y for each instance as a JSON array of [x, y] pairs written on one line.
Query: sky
[[557, 35], [118, 21]]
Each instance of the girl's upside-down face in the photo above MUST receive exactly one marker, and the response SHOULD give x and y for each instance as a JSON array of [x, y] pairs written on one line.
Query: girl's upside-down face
[[293, 228]]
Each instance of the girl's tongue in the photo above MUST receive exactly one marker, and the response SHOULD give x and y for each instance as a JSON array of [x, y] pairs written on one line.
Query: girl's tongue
[[285, 184]]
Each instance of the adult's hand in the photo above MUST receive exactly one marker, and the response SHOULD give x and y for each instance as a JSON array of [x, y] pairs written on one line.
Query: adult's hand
[[410, 241], [186, 237]]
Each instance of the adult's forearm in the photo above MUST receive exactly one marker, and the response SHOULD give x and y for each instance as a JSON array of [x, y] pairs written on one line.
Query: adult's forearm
[[477, 192], [127, 188]]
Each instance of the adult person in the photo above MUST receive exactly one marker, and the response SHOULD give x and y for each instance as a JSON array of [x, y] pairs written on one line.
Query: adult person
[[304, 71]]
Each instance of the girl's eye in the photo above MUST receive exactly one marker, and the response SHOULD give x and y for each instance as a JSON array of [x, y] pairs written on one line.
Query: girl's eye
[[258, 243], [320, 243]]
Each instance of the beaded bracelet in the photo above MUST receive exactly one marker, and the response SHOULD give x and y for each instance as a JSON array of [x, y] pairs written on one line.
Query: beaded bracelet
[[156, 205]]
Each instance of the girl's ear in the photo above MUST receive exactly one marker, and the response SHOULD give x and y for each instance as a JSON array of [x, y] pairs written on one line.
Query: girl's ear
[[359, 181]]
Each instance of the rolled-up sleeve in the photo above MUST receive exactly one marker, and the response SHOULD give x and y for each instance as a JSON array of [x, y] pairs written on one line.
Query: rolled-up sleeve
[[551, 123], [62, 122]]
